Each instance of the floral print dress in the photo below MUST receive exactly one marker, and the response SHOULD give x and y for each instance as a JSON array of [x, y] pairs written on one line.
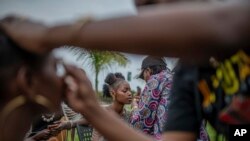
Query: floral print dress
[[152, 112], [153, 105]]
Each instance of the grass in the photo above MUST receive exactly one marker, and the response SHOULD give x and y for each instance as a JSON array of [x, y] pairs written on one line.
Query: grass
[[69, 136], [212, 133]]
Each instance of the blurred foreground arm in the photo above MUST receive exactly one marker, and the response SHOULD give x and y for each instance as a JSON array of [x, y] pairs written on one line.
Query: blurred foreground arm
[[208, 29]]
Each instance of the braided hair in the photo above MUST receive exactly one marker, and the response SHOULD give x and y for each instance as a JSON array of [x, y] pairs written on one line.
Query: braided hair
[[111, 81]]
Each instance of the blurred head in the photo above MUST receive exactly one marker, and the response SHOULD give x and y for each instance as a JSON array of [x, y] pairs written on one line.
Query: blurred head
[[151, 65], [23, 73], [118, 88]]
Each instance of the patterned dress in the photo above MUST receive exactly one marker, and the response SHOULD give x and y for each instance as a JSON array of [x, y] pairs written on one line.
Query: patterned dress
[[152, 114], [153, 105]]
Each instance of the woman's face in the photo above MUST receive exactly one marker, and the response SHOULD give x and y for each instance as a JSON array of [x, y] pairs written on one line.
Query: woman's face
[[49, 81], [123, 93], [146, 74]]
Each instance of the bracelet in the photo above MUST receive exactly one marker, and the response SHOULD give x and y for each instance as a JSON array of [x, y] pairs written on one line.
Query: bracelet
[[78, 26]]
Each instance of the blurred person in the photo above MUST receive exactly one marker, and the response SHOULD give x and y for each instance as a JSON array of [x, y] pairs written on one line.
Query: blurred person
[[73, 117], [44, 127], [29, 85], [137, 95], [119, 89]]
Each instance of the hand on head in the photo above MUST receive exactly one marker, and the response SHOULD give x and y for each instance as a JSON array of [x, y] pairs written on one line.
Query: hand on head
[[28, 34]]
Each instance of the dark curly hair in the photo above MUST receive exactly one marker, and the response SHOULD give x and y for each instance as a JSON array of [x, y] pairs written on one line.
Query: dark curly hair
[[12, 57], [110, 81]]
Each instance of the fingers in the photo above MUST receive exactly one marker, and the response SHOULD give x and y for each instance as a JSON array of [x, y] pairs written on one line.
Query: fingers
[[77, 81], [78, 74], [72, 100], [17, 19], [51, 127], [14, 17], [79, 90], [12, 20], [46, 131], [57, 122], [71, 83]]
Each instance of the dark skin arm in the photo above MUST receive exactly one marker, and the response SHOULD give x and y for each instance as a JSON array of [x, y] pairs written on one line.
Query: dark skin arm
[[165, 30], [61, 125], [170, 32]]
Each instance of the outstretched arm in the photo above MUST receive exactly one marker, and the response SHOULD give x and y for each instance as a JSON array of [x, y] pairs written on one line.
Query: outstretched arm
[[180, 30], [173, 30]]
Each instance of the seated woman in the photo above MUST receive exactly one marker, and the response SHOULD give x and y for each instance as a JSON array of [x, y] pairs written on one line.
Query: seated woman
[[43, 128], [117, 87], [52, 127]]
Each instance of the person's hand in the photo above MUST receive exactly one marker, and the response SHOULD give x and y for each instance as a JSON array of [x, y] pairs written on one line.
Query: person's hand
[[59, 126], [27, 34], [42, 135], [39, 38], [80, 94]]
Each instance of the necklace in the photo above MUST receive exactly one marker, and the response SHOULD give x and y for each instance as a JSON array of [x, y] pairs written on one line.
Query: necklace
[[48, 119]]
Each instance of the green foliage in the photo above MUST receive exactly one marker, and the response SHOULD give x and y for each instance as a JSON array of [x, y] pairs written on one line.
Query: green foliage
[[213, 134], [99, 60], [104, 100], [69, 136]]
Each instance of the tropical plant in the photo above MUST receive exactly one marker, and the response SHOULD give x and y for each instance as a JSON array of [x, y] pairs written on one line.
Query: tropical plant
[[99, 60]]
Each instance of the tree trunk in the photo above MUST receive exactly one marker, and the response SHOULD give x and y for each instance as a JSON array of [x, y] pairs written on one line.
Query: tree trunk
[[96, 81]]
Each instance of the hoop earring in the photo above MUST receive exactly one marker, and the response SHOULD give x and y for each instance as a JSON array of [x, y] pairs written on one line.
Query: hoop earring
[[8, 109], [21, 100], [43, 101], [12, 105], [17, 102]]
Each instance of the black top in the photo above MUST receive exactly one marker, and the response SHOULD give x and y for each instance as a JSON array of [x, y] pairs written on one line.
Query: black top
[[183, 113], [204, 92], [39, 124]]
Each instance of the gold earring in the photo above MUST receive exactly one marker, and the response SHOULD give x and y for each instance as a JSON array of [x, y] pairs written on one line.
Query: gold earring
[[12, 105], [9, 108], [43, 101], [18, 102]]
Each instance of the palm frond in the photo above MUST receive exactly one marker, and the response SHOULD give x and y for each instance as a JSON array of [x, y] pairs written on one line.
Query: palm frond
[[99, 60]]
